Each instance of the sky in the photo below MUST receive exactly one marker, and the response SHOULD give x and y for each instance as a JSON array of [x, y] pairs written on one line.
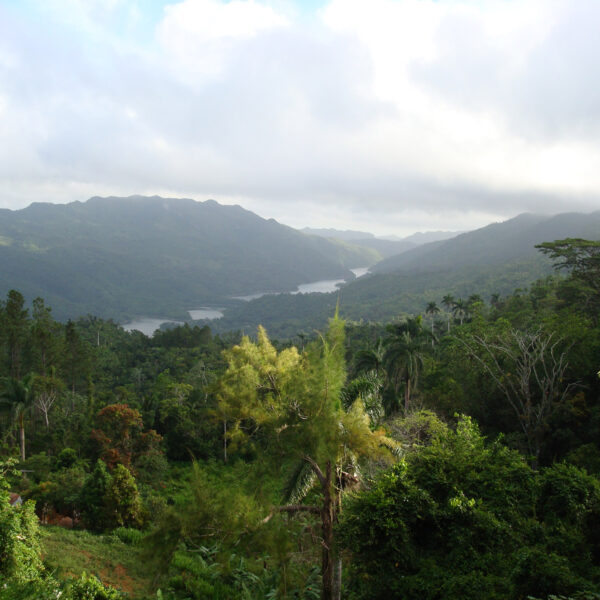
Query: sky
[[389, 116]]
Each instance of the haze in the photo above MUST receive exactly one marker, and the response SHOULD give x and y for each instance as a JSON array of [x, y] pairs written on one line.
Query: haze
[[388, 116]]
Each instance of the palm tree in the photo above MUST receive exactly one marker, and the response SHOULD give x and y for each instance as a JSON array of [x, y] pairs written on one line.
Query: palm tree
[[432, 309], [370, 358], [18, 398], [460, 310], [448, 301], [495, 300], [404, 356]]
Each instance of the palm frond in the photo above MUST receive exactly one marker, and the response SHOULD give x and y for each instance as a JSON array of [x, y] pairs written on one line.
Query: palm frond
[[300, 483]]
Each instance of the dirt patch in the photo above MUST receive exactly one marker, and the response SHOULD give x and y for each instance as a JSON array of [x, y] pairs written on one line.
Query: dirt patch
[[118, 577]]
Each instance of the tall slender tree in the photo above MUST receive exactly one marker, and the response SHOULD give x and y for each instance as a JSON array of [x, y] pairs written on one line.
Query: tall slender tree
[[291, 403], [18, 399], [448, 301], [15, 323], [432, 310], [406, 347]]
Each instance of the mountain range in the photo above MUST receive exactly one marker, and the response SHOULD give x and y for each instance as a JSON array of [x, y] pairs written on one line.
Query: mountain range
[[498, 258], [122, 257], [386, 246], [160, 257]]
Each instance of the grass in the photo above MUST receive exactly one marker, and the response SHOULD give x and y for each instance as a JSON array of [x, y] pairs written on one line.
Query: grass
[[68, 553]]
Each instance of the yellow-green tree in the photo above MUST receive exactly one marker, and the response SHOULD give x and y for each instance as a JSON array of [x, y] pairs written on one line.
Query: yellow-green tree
[[287, 405]]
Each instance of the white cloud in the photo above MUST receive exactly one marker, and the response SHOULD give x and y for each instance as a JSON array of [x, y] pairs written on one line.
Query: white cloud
[[199, 36], [384, 111]]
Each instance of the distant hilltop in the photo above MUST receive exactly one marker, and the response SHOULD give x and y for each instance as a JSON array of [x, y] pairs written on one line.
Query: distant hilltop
[[387, 245], [152, 256]]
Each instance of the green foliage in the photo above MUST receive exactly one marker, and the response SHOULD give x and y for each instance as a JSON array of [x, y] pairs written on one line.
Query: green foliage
[[122, 500], [19, 539], [460, 518], [129, 535], [88, 587], [92, 499], [195, 251]]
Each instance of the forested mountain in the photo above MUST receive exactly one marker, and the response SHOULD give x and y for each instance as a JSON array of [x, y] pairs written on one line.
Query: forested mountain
[[492, 260], [118, 257], [449, 456], [386, 246], [425, 237], [495, 244], [347, 235]]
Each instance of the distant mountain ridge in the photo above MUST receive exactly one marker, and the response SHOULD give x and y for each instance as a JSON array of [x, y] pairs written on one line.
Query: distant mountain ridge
[[386, 245], [497, 258], [346, 235], [119, 257], [494, 244]]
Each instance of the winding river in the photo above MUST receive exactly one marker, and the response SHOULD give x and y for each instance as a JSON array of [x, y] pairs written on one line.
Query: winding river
[[148, 325]]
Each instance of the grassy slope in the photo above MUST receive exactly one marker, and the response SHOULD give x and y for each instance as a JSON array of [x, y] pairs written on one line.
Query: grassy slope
[[71, 552]]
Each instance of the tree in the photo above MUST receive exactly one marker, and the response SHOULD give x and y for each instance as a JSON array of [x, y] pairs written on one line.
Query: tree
[[290, 405], [44, 336], [19, 535], [15, 326], [582, 259], [18, 398], [370, 359], [448, 302], [463, 519], [122, 499], [460, 310], [120, 435], [529, 369], [75, 356], [46, 390], [432, 310], [92, 497], [404, 355]]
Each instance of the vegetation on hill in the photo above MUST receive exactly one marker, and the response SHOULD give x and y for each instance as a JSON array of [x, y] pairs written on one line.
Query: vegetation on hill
[[452, 453], [492, 260], [119, 257]]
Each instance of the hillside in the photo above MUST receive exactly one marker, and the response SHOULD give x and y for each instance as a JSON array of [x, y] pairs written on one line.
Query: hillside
[[492, 260], [386, 246], [120, 257], [495, 244]]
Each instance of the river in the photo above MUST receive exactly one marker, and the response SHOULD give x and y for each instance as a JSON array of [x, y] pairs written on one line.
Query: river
[[148, 325]]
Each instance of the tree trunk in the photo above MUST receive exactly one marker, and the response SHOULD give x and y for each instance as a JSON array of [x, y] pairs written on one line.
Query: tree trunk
[[327, 530], [22, 437], [406, 396], [337, 577], [224, 441]]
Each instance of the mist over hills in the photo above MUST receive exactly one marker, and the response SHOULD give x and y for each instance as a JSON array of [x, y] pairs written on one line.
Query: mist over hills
[[121, 257], [387, 245], [347, 235]]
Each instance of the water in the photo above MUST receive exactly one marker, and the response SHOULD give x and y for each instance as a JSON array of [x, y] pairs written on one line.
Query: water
[[325, 286], [205, 312], [147, 325], [360, 271], [255, 296]]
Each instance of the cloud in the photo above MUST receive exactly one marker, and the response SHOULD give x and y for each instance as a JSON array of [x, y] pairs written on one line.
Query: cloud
[[536, 73], [375, 112]]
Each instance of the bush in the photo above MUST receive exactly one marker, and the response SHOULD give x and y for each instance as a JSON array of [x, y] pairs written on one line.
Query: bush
[[133, 537]]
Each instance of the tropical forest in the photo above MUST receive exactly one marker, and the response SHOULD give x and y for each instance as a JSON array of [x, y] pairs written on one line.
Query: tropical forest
[[450, 453]]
